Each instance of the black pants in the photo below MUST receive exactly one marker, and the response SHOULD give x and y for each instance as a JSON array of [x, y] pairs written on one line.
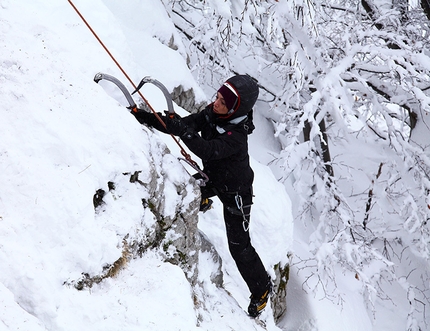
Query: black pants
[[239, 242]]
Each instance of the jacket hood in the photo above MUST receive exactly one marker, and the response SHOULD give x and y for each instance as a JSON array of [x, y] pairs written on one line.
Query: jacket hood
[[247, 91]]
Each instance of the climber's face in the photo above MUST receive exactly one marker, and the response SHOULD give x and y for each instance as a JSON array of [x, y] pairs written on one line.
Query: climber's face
[[219, 105]]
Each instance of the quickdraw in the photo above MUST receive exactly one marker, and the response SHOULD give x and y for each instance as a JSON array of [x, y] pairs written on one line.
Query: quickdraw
[[240, 206]]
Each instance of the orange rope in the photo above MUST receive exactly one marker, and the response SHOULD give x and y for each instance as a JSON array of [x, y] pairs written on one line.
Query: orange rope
[[183, 151]]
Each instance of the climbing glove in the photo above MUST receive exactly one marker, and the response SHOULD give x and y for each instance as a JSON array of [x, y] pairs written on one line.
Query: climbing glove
[[143, 116], [175, 125]]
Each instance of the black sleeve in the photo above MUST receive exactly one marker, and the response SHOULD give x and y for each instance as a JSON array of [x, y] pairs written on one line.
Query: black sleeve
[[225, 145], [149, 119], [193, 121]]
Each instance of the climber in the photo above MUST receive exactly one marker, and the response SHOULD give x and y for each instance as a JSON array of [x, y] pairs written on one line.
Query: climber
[[223, 147]]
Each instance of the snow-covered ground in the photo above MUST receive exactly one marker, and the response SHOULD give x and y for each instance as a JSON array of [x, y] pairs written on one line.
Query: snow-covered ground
[[63, 137]]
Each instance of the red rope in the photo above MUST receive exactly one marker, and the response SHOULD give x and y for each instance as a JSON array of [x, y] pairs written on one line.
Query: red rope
[[183, 151]]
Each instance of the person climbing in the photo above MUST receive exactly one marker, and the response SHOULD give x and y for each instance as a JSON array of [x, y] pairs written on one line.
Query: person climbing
[[223, 147]]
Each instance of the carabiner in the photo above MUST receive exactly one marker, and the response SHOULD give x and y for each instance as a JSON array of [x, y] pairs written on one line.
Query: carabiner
[[239, 204]]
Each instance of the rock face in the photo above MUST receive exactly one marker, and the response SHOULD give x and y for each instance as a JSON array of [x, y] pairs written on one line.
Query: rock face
[[178, 238], [166, 227], [183, 98], [278, 299], [186, 99], [169, 228]]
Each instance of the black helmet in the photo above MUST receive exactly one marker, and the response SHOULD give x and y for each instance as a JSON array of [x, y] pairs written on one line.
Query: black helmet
[[247, 93]]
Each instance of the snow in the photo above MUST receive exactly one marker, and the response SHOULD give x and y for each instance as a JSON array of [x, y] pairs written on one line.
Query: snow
[[63, 137]]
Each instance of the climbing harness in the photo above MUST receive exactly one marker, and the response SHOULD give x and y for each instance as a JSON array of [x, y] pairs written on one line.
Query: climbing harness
[[132, 104]]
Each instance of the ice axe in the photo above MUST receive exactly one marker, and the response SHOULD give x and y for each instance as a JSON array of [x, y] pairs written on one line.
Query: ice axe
[[163, 89]]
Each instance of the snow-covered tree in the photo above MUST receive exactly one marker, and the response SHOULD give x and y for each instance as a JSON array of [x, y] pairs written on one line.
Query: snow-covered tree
[[342, 78]]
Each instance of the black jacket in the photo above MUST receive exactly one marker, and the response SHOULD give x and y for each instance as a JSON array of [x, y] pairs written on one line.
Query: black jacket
[[223, 148], [222, 145]]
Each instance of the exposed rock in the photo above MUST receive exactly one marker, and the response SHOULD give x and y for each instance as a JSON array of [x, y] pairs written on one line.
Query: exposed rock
[[186, 99], [175, 237], [206, 246], [278, 299], [183, 98]]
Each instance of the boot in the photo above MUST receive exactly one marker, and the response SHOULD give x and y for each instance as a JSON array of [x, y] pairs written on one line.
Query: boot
[[257, 305], [205, 205]]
